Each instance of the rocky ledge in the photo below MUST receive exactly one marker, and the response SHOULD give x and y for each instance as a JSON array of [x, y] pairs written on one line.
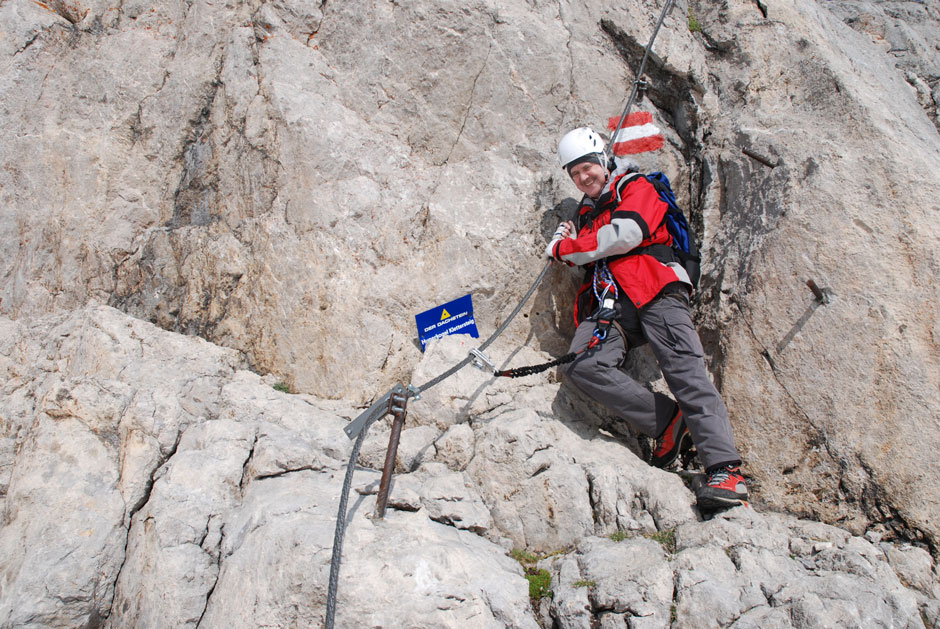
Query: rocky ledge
[[148, 479]]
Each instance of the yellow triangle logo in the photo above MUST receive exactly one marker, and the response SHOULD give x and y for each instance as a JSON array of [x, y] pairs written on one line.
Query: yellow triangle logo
[[445, 314]]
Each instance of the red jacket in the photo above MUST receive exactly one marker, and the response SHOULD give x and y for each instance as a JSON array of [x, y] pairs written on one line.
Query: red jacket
[[627, 217]]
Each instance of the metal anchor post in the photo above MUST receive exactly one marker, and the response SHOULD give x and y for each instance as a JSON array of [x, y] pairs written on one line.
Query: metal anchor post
[[397, 405]]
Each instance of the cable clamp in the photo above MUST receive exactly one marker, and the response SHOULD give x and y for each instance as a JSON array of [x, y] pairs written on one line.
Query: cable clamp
[[481, 362]]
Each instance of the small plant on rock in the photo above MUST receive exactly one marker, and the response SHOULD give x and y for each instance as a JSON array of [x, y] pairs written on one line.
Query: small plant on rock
[[524, 557], [667, 538], [694, 26], [282, 387], [584, 583], [539, 579], [540, 582], [619, 536]]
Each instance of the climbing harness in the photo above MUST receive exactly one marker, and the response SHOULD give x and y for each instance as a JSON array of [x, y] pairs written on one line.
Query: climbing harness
[[603, 282], [604, 285], [395, 401], [605, 318]]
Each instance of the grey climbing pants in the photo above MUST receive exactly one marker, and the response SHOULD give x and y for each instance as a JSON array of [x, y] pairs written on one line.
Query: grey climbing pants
[[667, 325]]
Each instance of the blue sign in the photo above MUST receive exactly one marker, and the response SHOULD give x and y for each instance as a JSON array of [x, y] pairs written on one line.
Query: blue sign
[[454, 317]]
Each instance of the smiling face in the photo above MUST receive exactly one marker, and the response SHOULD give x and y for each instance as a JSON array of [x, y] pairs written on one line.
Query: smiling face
[[589, 178]]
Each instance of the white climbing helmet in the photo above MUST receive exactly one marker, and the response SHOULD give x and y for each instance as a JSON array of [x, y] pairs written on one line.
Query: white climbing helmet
[[580, 145]]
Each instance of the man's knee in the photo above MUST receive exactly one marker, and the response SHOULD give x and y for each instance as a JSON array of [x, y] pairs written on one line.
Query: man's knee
[[579, 370]]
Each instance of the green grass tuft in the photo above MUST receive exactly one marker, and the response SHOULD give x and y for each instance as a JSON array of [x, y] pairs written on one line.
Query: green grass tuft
[[667, 538], [282, 387], [694, 26], [524, 557], [540, 582]]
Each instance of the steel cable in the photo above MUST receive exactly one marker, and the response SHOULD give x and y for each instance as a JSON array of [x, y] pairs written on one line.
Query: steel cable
[[412, 391], [424, 387], [341, 515], [609, 150], [340, 532]]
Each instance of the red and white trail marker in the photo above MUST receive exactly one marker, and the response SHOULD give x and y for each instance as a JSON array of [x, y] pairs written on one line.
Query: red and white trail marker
[[637, 135]]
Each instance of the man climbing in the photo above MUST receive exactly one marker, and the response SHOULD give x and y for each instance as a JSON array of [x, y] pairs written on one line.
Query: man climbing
[[637, 292]]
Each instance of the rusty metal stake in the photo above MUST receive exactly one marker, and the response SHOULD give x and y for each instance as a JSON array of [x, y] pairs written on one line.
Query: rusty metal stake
[[818, 293], [397, 405], [763, 159]]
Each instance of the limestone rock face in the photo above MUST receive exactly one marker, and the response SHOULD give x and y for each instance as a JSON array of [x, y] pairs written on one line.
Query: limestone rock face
[[266, 176], [281, 186], [908, 32], [825, 392], [206, 497]]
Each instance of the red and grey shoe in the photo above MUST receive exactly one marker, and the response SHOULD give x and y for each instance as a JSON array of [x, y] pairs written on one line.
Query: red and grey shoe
[[675, 440], [724, 487]]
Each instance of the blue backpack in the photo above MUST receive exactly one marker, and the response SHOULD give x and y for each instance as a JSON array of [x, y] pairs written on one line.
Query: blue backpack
[[683, 241]]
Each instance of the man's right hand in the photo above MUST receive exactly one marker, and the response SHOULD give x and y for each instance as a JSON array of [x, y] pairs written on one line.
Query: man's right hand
[[565, 230], [549, 252]]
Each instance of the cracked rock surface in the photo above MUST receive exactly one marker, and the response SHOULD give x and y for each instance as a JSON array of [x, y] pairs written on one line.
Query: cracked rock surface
[[291, 181], [296, 180], [151, 481]]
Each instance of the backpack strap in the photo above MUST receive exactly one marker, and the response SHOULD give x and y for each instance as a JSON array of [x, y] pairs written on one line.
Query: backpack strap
[[622, 183], [586, 217]]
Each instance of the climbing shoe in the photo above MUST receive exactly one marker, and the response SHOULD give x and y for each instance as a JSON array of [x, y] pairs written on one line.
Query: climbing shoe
[[675, 440], [724, 487]]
